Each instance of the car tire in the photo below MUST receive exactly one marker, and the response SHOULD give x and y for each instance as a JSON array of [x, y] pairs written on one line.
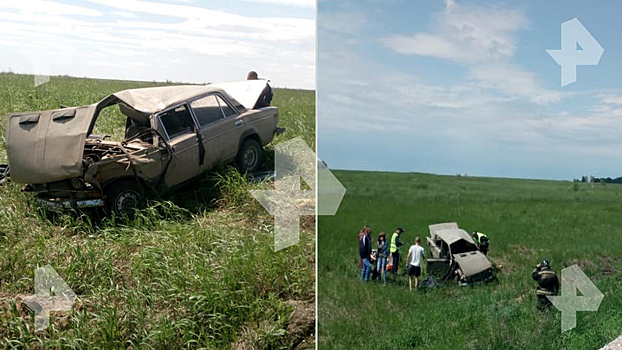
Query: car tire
[[249, 156], [124, 197]]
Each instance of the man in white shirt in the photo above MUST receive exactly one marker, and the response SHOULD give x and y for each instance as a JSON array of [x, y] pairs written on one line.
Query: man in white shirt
[[414, 258]]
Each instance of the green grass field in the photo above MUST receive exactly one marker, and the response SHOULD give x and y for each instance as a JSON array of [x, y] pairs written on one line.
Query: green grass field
[[195, 270], [526, 221]]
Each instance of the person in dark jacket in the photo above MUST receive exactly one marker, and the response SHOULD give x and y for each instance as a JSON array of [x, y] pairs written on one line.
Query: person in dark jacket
[[266, 95], [383, 254], [365, 247], [548, 283], [362, 234]]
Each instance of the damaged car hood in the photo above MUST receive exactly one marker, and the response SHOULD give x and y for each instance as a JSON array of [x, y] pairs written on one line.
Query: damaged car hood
[[47, 146], [472, 263]]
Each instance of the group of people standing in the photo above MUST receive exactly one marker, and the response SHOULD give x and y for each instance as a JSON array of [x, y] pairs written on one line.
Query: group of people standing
[[386, 257]]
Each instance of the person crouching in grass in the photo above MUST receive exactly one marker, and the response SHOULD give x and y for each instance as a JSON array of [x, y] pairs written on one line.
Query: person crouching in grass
[[414, 258]]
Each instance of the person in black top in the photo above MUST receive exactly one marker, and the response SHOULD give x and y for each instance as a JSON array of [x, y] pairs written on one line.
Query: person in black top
[[266, 95], [365, 246], [548, 283]]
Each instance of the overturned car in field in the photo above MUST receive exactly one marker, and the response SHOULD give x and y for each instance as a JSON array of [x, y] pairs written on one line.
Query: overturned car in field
[[455, 256], [172, 134]]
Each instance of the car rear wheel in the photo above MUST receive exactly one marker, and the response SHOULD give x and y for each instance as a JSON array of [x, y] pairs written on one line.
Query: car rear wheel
[[125, 197], [249, 156]]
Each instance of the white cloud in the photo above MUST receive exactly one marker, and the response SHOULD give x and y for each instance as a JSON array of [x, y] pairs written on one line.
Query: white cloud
[[198, 17], [303, 3], [465, 34], [124, 14], [423, 44], [28, 7], [482, 38], [514, 82], [179, 31], [347, 23]]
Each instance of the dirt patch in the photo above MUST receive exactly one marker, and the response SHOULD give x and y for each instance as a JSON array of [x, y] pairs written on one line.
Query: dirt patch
[[582, 263], [520, 298], [521, 249], [503, 265], [300, 329], [301, 324]]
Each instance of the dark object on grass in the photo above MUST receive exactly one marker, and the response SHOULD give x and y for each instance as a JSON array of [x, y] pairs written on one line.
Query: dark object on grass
[[428, 283], [4, 173]]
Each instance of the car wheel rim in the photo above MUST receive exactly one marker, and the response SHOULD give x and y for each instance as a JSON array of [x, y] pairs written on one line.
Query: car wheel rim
[[250, 158], [127, 201]]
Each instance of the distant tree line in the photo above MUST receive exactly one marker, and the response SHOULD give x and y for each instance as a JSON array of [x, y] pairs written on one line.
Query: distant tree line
[[608, 180]]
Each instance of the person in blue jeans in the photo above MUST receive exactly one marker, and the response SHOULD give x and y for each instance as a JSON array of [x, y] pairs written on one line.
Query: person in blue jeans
[[383, 254], [365, 253]]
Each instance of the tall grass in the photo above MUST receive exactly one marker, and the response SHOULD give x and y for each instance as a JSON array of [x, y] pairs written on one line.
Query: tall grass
[[526, 220], [196, 269]]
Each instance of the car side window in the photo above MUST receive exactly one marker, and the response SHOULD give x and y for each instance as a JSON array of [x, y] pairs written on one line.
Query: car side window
[[226, 109], [207, 110], [177, 121]]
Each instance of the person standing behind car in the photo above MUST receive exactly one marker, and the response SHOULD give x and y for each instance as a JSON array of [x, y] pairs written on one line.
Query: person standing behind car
[[415, 255], [383, 253], [365, 253], [266, 95], [395, 250], [482, 242], [362, 234]]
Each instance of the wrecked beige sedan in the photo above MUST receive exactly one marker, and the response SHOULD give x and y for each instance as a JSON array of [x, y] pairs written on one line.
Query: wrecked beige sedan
[[172, 134], [454, 256]]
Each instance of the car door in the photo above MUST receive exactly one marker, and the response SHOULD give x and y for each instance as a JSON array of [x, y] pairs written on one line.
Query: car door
[[220, 126], [179, 129]]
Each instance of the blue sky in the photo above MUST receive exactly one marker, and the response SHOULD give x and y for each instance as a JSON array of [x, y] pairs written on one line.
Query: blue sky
[[178, 40], [454, 87]]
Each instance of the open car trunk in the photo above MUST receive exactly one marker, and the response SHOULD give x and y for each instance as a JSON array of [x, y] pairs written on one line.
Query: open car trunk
[[47, 146]]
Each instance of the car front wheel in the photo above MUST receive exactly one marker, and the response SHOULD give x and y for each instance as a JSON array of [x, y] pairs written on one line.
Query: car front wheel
[[125, 197], [249, 156]]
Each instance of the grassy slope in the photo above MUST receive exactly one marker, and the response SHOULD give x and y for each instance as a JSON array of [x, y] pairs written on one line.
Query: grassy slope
[[196, 270], [526, 221]]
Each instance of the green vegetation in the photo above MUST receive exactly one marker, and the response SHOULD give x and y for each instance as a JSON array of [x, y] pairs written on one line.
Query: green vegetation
[[195, 269], [526, 221]]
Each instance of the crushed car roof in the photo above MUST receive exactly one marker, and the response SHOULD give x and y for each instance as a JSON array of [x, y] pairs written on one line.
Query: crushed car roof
[[155, 99], [453, 235], [443, 226]]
